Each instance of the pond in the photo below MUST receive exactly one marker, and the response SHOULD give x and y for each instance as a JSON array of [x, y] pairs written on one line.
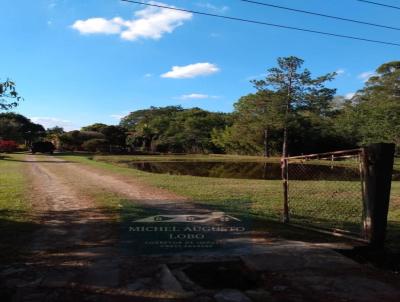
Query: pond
[[248, 170]]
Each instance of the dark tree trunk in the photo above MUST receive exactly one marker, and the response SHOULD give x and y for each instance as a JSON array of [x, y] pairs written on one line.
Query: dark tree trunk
[[285, 143], [266, 149], [284, 161], [284, 167]]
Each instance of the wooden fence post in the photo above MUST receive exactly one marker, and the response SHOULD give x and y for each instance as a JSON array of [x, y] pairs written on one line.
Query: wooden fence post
[[377, 173], [285, 183]]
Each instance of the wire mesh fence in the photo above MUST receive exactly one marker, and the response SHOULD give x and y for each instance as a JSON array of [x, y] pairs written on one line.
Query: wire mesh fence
[[325, 191]]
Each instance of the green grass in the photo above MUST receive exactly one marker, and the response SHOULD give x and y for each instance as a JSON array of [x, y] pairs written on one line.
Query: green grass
[[16, 223], [323, 203], [12, 187], [239, 193]]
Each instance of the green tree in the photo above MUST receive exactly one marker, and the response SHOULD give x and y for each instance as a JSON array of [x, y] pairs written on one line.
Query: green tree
[[95, 145], [373, 114], [115, 135], [96, 127], [191, 129], [145, 126], [19, 128], [173, 129], [376, 113], [297, 90], [53, 135], [9, 97], [56, 130], [73, 140], [260, 113]]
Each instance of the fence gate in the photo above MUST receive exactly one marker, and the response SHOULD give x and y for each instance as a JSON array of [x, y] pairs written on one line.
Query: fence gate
[[325, 191]]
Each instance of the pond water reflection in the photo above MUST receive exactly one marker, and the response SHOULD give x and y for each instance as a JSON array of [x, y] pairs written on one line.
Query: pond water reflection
[[248, 170]]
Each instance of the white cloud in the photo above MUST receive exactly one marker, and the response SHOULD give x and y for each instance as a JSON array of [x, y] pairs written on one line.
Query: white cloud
[[148, 75], [149, 23], [213, 8], [194, 96], [191, 71], [366, 75], [340, 71], [49, 122], [97, 26], [349, 95], [117, 116], [120, 115]]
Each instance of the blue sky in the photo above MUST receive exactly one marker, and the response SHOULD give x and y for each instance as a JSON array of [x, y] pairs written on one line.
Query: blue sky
[[79, 62]]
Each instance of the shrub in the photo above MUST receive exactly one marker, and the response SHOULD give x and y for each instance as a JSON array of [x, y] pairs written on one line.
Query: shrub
[[8, 146], [74, 140], [95, 145], [43, 147]]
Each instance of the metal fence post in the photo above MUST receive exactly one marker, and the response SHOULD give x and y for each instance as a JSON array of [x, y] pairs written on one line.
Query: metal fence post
[[377, 174], [284, 168]]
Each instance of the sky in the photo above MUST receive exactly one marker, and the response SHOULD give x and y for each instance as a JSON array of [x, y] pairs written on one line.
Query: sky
[[79, 62]]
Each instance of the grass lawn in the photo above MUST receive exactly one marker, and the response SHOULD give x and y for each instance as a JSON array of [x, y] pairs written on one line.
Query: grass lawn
[[16, 225], [260, 199]]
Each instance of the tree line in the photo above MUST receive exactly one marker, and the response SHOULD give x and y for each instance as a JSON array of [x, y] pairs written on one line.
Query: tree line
[[290, 112]]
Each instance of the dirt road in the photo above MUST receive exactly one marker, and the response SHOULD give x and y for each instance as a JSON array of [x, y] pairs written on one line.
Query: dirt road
[[76, 253], [75, 248]]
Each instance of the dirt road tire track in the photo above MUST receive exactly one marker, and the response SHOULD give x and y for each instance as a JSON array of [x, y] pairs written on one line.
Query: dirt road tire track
[[75, 248]]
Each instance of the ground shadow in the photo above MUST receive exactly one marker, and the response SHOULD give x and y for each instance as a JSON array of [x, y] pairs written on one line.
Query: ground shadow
[[77, 259], [70, 259]]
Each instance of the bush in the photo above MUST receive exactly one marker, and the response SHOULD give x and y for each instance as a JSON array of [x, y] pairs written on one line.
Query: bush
[[95, 145], [43, 147], [8, 146]]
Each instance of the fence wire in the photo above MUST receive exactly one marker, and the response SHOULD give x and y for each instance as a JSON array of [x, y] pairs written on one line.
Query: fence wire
[[326, 192]]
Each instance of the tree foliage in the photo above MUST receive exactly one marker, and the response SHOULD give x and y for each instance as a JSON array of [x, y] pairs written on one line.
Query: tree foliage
[[95, 145], [94, 138], [298, 92], [173, 129], [9, 97], [74, 140], [19, 128], [375, 111]]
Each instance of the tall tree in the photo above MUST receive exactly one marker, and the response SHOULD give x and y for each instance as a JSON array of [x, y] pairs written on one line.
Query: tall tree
[[260, 112], [298, 91], [376, 114]]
